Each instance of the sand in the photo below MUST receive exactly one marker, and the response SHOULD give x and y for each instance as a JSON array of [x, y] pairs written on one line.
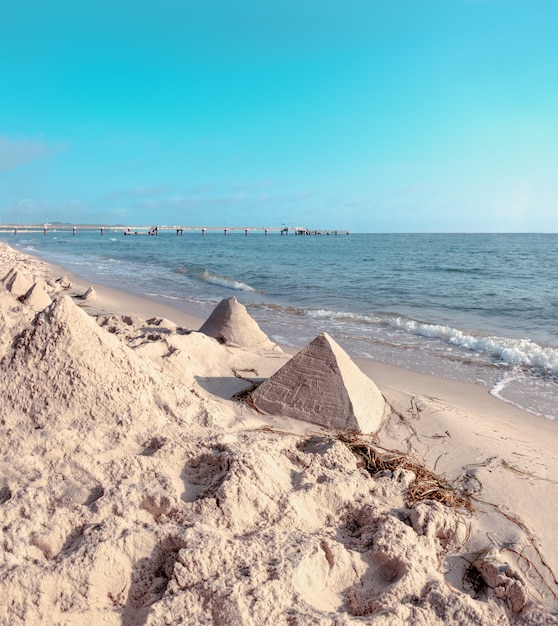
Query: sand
[[140, 485]]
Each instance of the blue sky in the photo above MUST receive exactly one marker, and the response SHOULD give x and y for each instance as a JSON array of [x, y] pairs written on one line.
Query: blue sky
[[369, 115]]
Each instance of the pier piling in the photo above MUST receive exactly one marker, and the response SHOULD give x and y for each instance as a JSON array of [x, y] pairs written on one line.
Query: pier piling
[[17, 229]]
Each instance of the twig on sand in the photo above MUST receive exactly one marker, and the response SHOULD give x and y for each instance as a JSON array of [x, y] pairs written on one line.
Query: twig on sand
[[525, 474], [531, 564], [530, 536], [277, 431]]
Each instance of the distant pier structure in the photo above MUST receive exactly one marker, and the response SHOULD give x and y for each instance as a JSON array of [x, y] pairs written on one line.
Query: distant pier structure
[[154, 230]]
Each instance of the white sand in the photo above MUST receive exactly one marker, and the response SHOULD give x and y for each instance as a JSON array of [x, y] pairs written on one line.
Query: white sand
[[135, 490]]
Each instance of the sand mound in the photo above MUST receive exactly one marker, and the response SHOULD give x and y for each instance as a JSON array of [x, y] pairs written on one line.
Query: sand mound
[[64, 363], [230, 323], [63, 283], [322, 385]]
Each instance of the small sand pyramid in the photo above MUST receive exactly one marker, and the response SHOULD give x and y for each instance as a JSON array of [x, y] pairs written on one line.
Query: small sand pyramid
[[17, 282], [90, 294], [231, 323], [322, 385], [37, 296]]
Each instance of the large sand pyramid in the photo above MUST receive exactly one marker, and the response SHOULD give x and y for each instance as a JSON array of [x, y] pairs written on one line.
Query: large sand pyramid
[[231, 323], [322, 385]]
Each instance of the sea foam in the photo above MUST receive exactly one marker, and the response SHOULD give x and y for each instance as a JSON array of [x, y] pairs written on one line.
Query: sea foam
[[512, 351]]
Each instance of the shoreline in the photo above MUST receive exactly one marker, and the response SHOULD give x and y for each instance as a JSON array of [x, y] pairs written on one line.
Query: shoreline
[[117, 301], [112, 300], [140, 424], [442, 346]]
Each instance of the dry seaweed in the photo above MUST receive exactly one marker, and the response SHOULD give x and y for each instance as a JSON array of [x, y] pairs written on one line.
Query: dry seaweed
[[472, 579], [244, 395], [426, 485]]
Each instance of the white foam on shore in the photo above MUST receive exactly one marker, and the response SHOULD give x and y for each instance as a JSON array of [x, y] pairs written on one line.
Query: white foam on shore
[[536, 395], [343, 315], [508, 350], [512, 351]]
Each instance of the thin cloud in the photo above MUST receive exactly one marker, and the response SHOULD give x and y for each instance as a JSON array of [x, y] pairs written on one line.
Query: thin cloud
[[221, 201], [17, 152], [135, 192]]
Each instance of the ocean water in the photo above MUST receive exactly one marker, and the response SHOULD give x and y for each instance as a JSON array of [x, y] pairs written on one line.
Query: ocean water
[[474, 307]]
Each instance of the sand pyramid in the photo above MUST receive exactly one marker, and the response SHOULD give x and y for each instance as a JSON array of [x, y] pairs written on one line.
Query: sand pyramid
[[231, 323], [37, 296], [322, 385], [17, 282], [90, 294]]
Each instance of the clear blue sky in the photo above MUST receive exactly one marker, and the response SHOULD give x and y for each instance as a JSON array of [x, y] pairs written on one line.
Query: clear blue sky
[[370, 115]]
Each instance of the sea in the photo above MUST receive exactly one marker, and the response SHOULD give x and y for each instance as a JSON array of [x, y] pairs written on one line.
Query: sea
[[480, 308]]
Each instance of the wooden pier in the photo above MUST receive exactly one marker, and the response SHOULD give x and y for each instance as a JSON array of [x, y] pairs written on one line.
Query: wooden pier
[[155, 230]]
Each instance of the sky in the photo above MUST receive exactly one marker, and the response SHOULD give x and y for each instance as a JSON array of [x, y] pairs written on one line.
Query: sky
[[366, 115]]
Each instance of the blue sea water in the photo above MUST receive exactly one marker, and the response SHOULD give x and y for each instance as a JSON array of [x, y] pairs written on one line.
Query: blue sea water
[[475, 307]]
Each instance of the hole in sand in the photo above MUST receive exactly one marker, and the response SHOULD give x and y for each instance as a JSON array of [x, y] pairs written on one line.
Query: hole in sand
[[5, 494], [358, 528], [383, 572], [95, 494], [154, 444], [149, 580], [203, 475]]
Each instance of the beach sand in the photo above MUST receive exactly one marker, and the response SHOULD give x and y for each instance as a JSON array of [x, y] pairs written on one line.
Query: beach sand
[[135, 489]]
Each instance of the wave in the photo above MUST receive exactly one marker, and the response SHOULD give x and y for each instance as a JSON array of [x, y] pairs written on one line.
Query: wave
[[342, 315], [521, 352], [459, 270], [511, 351], [213, 278]]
